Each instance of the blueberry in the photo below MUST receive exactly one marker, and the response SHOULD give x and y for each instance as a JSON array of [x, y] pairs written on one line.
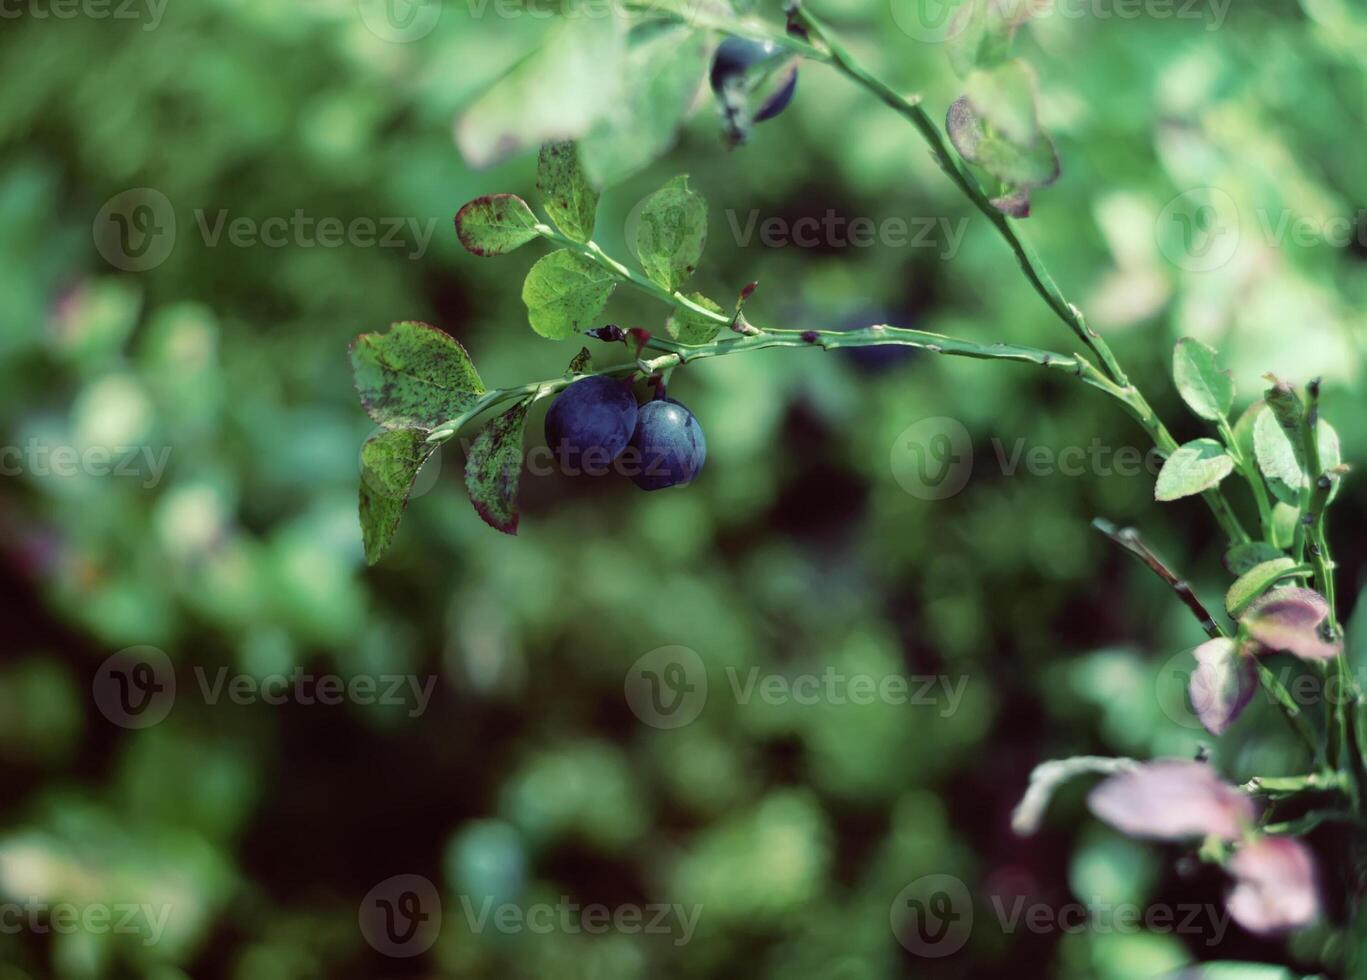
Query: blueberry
[[668, 447], [779, 100], [737, 55], [590, 423]]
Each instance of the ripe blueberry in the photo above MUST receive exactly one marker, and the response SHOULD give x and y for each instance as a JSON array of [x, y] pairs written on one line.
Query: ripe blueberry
[[668, 447], [753, 70], [589, 424]]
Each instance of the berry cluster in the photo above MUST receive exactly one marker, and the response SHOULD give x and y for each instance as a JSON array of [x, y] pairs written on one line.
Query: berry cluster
[[595, 423]]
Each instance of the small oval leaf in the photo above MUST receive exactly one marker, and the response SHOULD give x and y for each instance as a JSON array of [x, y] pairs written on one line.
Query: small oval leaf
[[1207, 390], [1258, 580], [566, 193], [495, 225], [1193, 467], [565, 293], [671, 234]]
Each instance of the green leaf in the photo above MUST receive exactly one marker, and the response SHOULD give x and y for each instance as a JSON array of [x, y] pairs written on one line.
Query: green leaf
[[390, 463], [1021, 167], [566, 193], [688, 327], [493, 468], [980, 35], [666, 65], [1243, 557], [1284, 519], [1258, 580], [1277, 457], [1194, 466], [1003, 97], [671, 234], [495, 225], [413, 376], [573, 79], [565, 293], [1208, 391]]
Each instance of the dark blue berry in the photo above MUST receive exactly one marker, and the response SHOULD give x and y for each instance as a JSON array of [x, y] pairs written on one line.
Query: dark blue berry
[[667, 448], [737, 55], [777, 102], [589, 424]]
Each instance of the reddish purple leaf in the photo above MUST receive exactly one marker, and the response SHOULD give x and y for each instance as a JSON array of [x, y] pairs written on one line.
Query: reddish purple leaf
[[1222, 684], [1170, 800], [1289, 619], [1274, 886]]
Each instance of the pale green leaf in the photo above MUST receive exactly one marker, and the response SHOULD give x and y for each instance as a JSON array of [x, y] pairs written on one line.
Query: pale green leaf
[[671, 233], [495, 224], [565, 293], [566, 193], [1193, 467], [666, 66], [557, 92], [1207, 390], [413, 376]]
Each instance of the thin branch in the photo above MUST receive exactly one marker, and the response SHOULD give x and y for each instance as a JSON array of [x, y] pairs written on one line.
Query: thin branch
[[1129, 539]]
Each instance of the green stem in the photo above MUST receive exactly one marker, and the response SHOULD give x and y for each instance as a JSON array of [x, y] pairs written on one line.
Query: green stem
[[674, 354], [1317, 782], [1249, 469]]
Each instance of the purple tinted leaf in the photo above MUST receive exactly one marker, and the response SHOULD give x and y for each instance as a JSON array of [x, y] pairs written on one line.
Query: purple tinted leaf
[[964, 127], [1222, 684], [1171, 800], [1289, 619], [1275, 888]]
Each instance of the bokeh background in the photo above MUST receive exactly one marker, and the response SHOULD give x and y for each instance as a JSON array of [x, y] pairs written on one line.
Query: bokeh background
[[528, 776]]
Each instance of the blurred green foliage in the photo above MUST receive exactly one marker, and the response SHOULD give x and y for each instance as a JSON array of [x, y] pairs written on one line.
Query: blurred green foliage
[[527, 777]]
